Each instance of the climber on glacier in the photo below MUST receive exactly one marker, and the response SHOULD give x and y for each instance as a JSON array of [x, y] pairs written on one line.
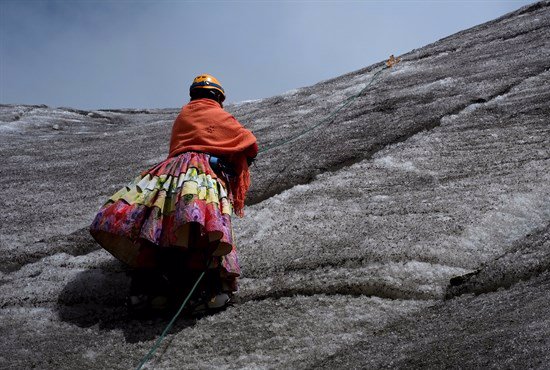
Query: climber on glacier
[[174, 220]]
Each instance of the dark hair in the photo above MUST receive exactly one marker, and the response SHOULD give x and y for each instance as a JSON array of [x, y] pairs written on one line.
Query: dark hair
[[207, 94]]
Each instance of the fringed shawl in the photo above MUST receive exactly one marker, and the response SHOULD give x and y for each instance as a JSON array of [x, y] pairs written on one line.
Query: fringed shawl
[[203, 126]]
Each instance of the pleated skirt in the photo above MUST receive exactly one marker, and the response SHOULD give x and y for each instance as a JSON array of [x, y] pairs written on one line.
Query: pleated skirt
[[179, 204]]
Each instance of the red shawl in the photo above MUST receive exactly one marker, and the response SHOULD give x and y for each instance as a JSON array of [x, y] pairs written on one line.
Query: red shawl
[[203, 126]]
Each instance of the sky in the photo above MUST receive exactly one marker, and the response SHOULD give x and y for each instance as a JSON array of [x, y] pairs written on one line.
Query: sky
[[100, 54]]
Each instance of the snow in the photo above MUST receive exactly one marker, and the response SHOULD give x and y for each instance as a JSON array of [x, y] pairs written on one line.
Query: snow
[[403, 68], [353, 232], [390, 162], [290, 93], [514, 217], [243, 102]]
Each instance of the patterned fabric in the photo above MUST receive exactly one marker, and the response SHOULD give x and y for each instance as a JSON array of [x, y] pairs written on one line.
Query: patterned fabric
[[203, 126], [159, 209]]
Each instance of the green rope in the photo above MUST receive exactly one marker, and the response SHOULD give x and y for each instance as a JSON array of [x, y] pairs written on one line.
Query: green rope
[[328, 118], [325, 120], [169, 326]]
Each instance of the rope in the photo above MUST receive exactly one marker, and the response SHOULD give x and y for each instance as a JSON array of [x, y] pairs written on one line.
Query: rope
[[390, 63], [169, 326]]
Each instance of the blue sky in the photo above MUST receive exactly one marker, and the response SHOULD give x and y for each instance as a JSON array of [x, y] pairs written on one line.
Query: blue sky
[[144, 54]]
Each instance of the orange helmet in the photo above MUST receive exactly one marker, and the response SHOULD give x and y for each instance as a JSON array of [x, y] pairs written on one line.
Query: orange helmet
[[208, 82]]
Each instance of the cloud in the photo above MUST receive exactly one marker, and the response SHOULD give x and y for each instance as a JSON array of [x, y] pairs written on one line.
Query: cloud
[[101, 54]]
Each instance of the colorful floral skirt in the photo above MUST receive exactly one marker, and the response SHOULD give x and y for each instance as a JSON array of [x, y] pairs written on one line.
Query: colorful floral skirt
[[179, 204]]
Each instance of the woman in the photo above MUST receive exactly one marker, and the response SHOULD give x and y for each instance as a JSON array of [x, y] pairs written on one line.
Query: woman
[[174, 220]]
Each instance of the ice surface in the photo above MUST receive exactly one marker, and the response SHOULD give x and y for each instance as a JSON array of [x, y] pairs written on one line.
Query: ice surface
[[432, 185]]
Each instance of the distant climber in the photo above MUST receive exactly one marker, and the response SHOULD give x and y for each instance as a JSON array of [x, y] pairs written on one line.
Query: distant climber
[[174, 220]]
